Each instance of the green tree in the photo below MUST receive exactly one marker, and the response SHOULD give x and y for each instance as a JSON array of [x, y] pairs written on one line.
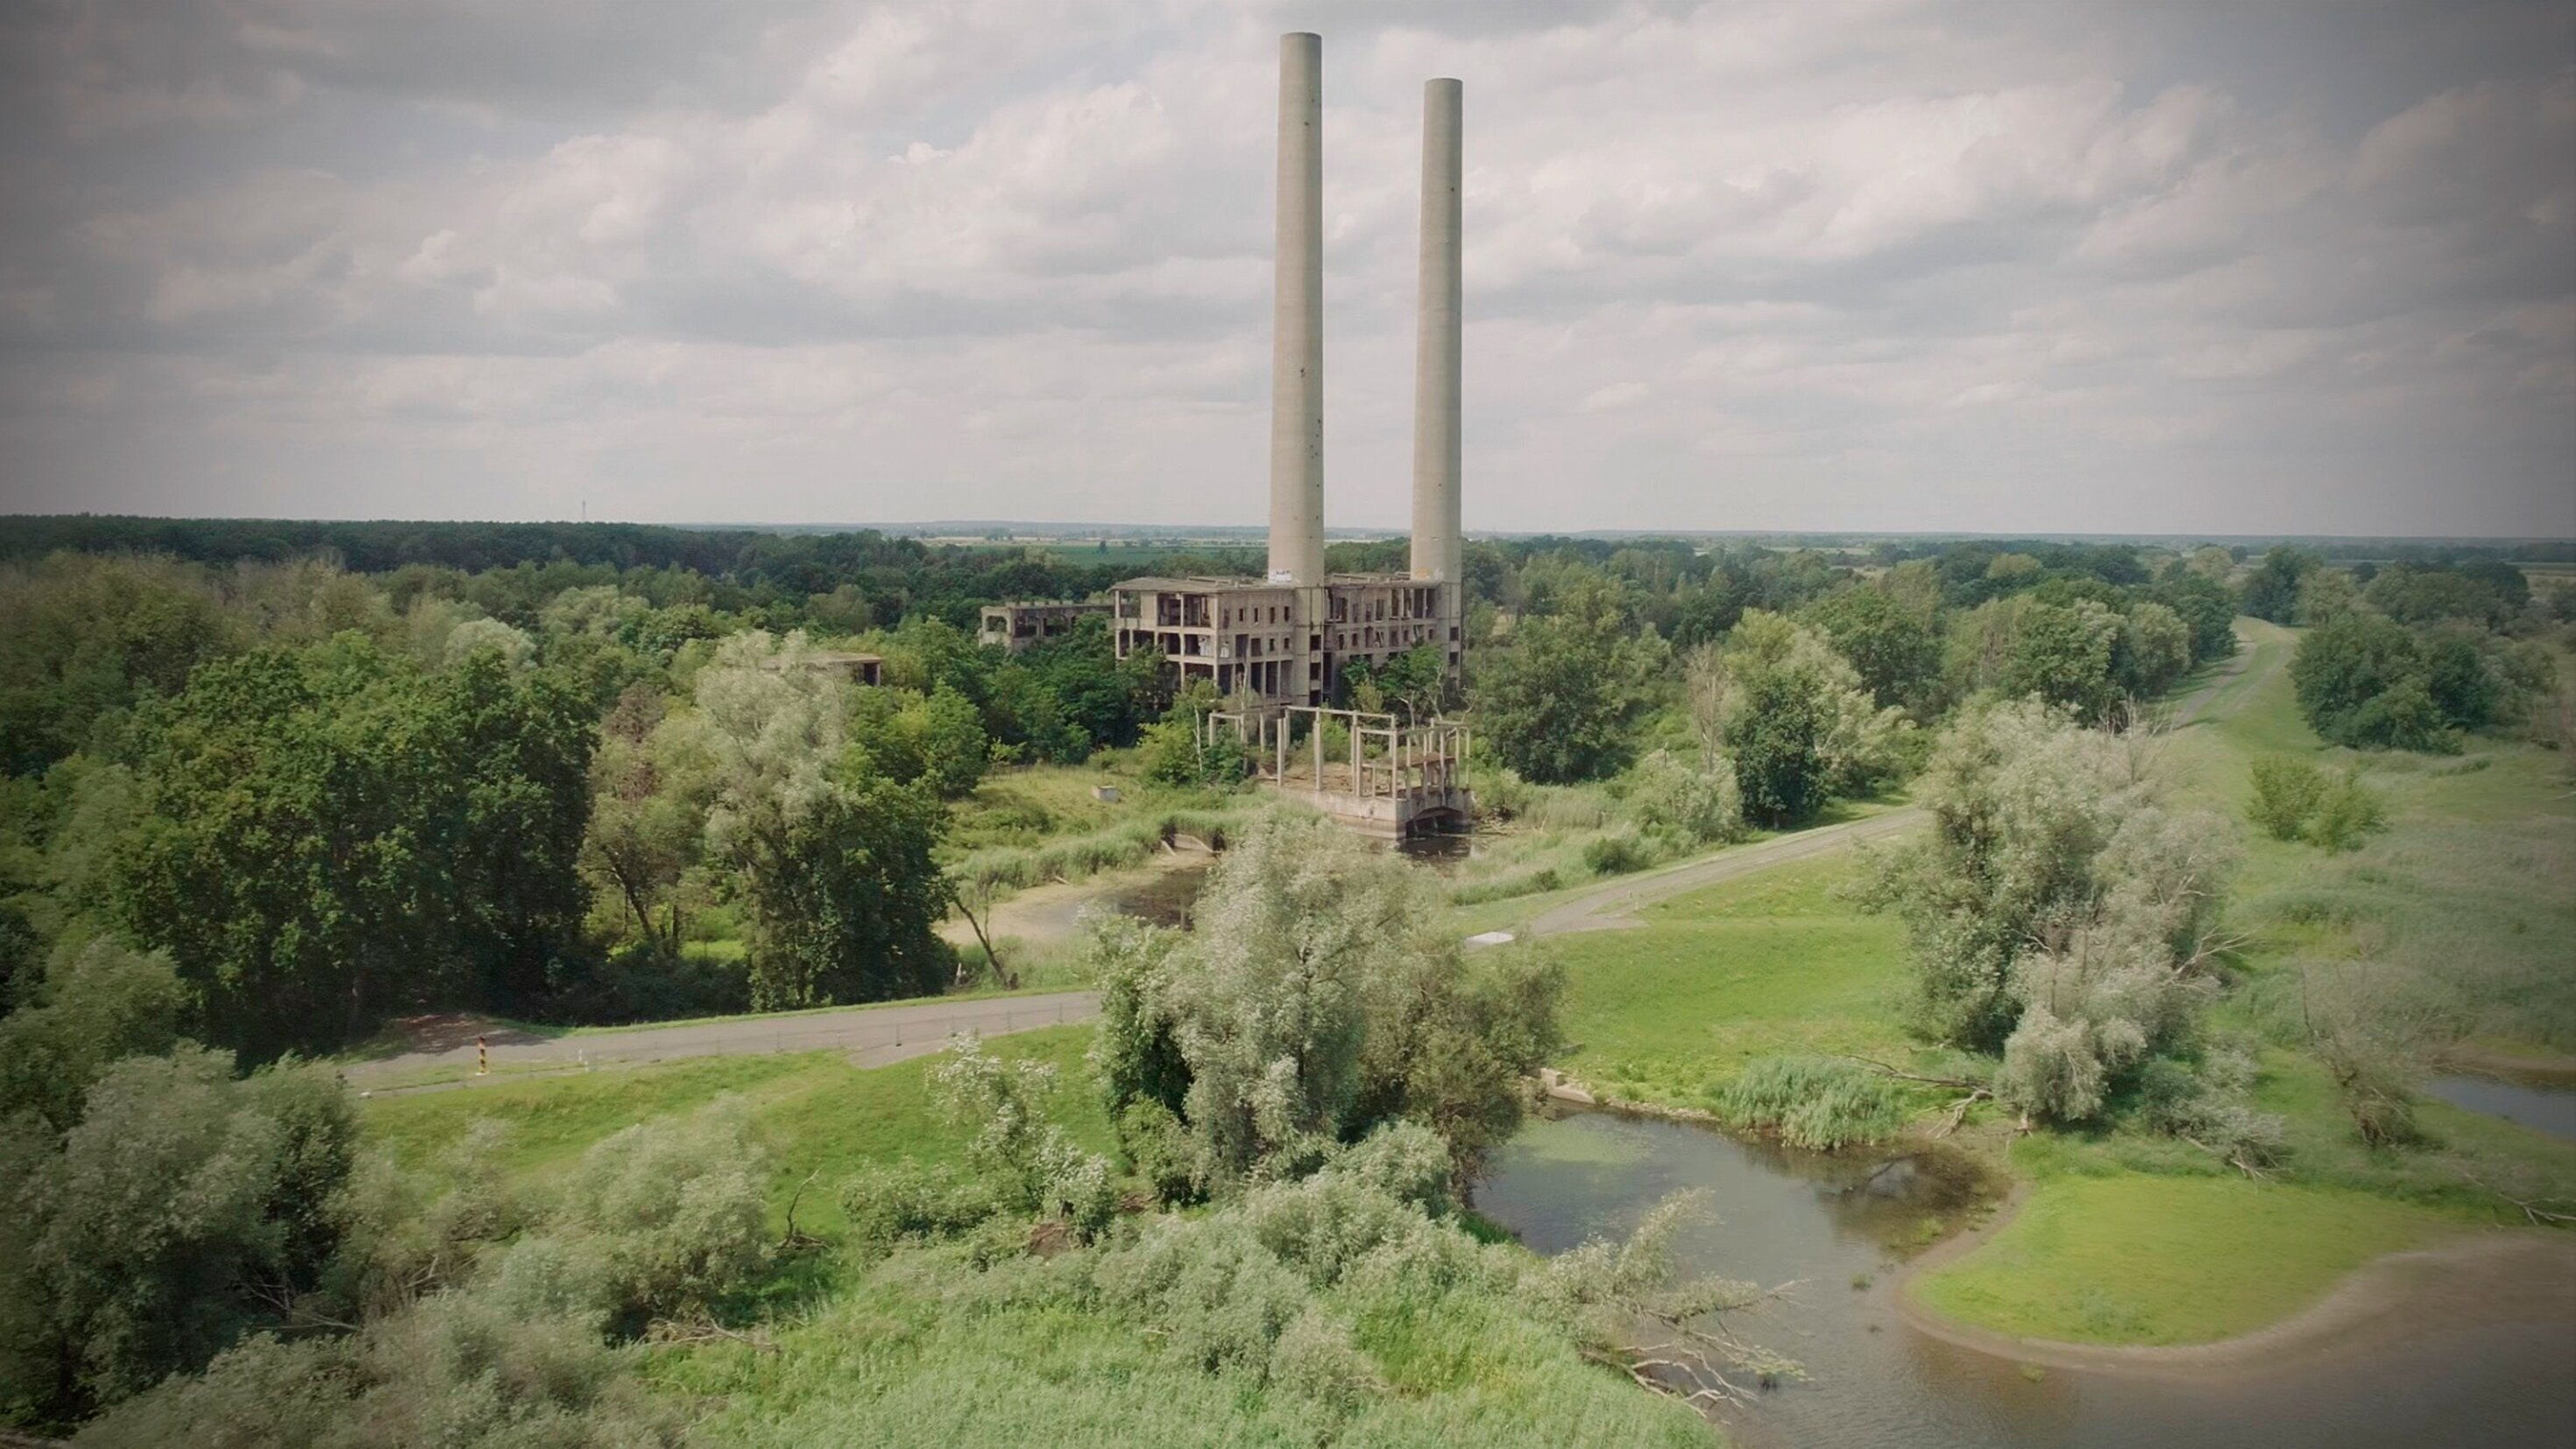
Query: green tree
[[1790, 713], [2272, 588], [98, 1004], [329, 832], [2159, 649], [85, 639], [647, 814], [2208, 607], [1893, 647], [2366, 680], [2064, 654], [1557, 704], [183, 1209], [834, 858], [1313, 1004], [2056, 891]]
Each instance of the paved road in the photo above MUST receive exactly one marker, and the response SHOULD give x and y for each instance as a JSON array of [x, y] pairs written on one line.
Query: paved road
[[872, 1035], [1614, 906]]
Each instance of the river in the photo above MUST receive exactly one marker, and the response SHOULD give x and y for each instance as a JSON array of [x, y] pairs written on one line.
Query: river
[[1841, 1226], [2541, 1105]]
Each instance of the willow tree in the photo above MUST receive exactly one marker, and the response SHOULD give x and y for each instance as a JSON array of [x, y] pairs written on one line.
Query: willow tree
[[834, 857]]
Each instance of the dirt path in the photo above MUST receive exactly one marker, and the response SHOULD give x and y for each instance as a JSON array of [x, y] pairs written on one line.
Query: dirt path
[[872, 1035], [1614, 906]]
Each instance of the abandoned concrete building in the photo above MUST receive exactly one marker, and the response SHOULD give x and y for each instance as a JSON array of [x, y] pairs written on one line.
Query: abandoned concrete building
[[1028, 623], [1277, 648], [1286, 639]]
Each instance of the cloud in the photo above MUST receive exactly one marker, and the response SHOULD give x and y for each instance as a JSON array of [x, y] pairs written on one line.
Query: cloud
[[1868, 264]]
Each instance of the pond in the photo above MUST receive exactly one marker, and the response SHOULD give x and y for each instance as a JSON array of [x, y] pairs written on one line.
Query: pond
[[1169, 898], [1841, 1226], [1165, 900], [2542, 1107]]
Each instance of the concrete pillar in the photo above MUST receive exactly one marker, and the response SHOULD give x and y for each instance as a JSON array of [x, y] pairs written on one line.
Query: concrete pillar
[[1297, 321], [1439, 537]]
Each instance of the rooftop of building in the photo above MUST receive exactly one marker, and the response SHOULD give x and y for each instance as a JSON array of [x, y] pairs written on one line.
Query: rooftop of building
[[1199, 585]]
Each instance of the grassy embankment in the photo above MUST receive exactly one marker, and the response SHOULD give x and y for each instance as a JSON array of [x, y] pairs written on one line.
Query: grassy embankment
[[2128, 1237], [815, 1113], [924, 1349]]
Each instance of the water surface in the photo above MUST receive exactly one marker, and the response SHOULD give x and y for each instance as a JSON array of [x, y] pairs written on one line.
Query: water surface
[[1834, 1223], [2540, 1107]]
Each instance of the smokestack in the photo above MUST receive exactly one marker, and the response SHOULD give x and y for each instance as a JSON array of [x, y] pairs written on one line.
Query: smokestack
[[1297, 320], [1439, 538]]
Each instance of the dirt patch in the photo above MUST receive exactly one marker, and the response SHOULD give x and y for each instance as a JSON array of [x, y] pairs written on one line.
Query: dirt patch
[[449, 1031], [1051, 913]]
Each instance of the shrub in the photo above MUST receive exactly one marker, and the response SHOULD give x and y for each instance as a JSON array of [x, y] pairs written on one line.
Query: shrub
[[2294, 800], [2286, 791], [1220, 1298], [1158, 1145], [889, 1204], [1617, 853], [1029, 1163], [1699, 807], [2347, 811], [2205, 1103], [671, 1213], [1814, 1103], [456, 1370]]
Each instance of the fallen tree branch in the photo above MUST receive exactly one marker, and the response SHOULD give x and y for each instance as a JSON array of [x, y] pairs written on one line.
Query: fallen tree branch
[[1959, 1111], [793, 1240], [704, 1329], [1961, 1083], [2234, 1160], [2532, 1212]]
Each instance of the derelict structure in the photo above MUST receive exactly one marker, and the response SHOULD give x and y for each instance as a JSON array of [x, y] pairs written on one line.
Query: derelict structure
[[1277, 648]]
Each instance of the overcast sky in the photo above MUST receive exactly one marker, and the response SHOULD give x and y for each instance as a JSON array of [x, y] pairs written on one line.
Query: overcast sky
[[1834, 264]]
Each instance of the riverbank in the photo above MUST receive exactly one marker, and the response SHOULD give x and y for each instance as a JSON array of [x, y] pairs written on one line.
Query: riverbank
[[2470, 1277]]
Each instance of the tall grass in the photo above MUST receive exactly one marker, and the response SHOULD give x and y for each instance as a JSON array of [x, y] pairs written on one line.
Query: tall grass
[[1018, 867], [1816, 1103]]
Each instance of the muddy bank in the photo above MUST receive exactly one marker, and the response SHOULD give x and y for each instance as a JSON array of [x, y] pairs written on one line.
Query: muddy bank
[[1048, 914]]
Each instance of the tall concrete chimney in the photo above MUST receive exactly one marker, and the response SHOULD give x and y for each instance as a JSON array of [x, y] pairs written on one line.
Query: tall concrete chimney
[[1439, 538], [1297, 320]]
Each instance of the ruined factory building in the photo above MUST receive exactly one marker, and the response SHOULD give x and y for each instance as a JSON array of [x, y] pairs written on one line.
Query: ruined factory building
[[1277, 648]]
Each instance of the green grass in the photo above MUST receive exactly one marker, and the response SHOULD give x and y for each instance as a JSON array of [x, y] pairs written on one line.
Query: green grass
[[2131, 1237], [1773, 964], [814, 1111], [921, 1353], [2141, 1259]]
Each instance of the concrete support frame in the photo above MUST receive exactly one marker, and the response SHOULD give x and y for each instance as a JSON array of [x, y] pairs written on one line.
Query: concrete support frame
[[1439, 538], [1297, 320]]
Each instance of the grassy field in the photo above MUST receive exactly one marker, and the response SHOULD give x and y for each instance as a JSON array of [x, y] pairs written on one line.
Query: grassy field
[[2128, 1237], [2131, 1258], [815, 1112], [1773, 964]]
